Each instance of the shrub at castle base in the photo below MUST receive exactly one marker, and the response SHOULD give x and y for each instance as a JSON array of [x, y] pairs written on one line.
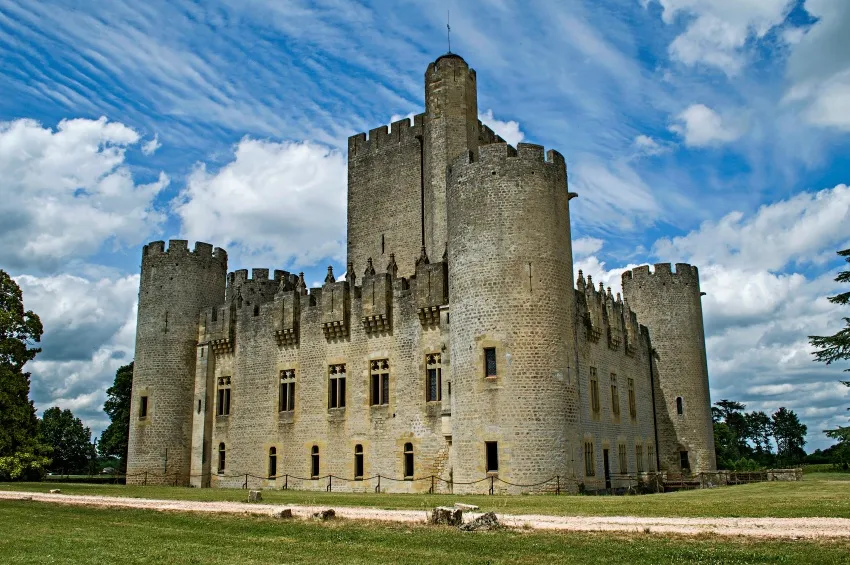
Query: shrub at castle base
[[460, 352]]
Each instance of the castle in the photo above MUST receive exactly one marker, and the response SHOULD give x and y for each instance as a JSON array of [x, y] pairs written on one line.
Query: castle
[[459, 346]]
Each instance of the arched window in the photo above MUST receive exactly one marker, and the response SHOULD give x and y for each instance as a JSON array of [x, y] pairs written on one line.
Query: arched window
[[358, 462], [408, 461], [221, 457], [272, 462], [680, 409], [314, 462]]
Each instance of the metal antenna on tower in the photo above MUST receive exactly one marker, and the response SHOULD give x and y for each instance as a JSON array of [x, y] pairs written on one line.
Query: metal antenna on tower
[[449, 29]]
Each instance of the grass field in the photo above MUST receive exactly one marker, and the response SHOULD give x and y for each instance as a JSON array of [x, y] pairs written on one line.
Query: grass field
[[36, 533], [824, 495]]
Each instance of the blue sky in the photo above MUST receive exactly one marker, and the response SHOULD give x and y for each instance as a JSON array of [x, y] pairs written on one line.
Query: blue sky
[[714, 132]]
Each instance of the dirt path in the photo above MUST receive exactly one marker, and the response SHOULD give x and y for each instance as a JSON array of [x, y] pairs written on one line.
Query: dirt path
[[753, 527]]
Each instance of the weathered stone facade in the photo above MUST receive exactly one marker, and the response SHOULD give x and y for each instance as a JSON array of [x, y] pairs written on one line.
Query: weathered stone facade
[[459, 347]]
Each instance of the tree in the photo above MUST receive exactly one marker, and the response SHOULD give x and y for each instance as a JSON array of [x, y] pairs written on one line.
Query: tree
[[760, 430], [70, 440], [834, 348], [113, 440], [21, 455], [789, 435]]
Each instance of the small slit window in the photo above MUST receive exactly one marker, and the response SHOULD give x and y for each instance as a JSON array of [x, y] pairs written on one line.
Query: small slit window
[[490, 362], [358, 462], [222, 452], [143, 407], [272, 462], [492, 451], [257, 310], [314, 462], [408, 461], [680, 408]]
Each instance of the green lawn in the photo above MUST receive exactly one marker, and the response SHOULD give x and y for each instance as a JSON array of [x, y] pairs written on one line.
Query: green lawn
[[820, 494], [35, 533]]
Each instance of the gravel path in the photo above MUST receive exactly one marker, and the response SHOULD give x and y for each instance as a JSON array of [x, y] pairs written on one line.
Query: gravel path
[[752, 527]]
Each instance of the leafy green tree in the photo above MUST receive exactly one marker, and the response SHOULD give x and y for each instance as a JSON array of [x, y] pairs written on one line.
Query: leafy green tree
[[834, 348], [70, 440], [790, 436], [21, 455], [113, 440], [760, 430]]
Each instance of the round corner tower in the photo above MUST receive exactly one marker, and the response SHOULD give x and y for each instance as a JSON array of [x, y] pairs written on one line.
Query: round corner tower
[[451, 129], [512, 314], [176, 284], [669, 304]]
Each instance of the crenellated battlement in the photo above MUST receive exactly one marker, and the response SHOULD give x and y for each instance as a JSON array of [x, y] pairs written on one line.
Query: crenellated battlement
[[384, 138], [180, 248], [486, 135], [684, 273], [258, 288], [499, 153], [605, 314]]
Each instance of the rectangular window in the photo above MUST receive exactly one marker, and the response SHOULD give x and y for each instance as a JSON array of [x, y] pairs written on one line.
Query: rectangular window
[[223, 404], [632, 401], [683, 460], [434, 385], [492, 449], [589, 460], [639, 458], [358, 462], [380, 376], [490, 362], [622, 459], [286, 400], [650, 455], [615, 397], [336, 386], [594, 390], [143, 407]]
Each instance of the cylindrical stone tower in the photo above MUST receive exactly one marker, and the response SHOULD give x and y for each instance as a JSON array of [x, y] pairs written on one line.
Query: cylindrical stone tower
[[451, 129], [670, 305], [175, 285], [512, 317]]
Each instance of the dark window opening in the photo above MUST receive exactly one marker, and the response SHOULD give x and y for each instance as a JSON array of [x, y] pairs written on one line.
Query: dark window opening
[[199, 406], [380, 382], [434, 383], [490, 362], [492, 456], [408, 461], [632, 401], [314, 462], [223, 405], [221, 458], [382, 244], [680, 409], [257, 310], [683, 460], [272, 462], [336, 386], [358, 462], [143, 407], [286, 396]]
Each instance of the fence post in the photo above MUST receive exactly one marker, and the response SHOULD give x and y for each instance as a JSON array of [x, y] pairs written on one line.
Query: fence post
[[330, 483], [245, 486], [492, 480], [286, 482], [557, 485], [432, 485], [378, 488]]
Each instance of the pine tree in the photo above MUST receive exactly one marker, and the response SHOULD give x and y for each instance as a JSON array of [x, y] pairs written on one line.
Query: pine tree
[[836, 347]]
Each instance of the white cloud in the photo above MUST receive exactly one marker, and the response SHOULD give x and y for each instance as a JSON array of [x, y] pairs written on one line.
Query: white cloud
[[89, 331], [645, 145], [819, 66], [150, 147], [509, 131], [717, 31], [585, 246], [66, 192], [794, 230], [701, 126], [280, 202]]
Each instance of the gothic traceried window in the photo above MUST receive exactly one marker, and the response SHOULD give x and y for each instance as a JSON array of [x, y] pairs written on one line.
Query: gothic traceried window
[[286, 394], [434, 384], [594, 390], [336, 386], [223, 404], [632, 401], [379, 371]]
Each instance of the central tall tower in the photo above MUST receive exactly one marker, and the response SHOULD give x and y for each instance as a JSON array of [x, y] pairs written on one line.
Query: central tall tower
[[451, 129]]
